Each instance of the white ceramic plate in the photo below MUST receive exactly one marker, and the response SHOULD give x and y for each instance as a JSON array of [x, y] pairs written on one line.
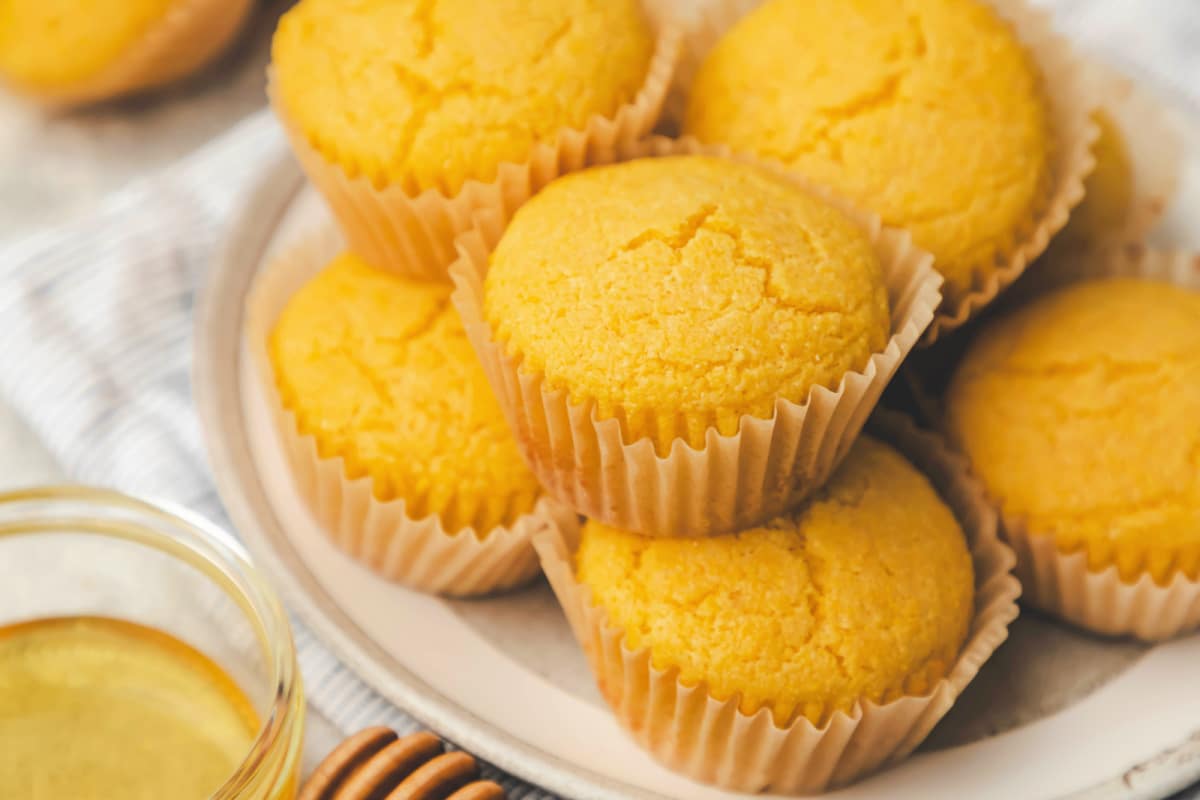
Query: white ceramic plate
[[1053, 714]]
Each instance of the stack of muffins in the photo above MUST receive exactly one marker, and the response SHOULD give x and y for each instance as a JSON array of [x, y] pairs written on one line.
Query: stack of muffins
[[534, 308]]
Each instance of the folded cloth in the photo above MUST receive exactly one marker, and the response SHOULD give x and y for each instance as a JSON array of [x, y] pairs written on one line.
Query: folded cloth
[[96, 314]]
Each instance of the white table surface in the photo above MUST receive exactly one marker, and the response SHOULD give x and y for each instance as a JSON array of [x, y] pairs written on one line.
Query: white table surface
[[52, 168]]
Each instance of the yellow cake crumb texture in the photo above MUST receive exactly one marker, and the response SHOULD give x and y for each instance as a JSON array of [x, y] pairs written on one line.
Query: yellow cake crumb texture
[[430, 93], [864, 593], [681, 293], [378, 368], [928, 112], [1081, 414], [52, 44]]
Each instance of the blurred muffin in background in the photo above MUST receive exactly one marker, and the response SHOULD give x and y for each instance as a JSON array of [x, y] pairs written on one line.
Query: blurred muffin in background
[[72, 52]]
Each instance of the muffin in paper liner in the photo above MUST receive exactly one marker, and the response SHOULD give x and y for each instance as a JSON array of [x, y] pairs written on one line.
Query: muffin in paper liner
[[1062, 584], [1071, 102], [733, 481], [413, 235], [419, 553], [712, 740], [190, 34]]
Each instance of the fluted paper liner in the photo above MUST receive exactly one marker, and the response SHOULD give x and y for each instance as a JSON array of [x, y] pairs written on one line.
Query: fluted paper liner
[[733, 481], [712, 740], [1071, 101], [413, 235], [190, 34], [420, 553], [1061, 583]]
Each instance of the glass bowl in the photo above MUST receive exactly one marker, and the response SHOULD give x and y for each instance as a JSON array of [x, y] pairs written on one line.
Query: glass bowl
[[76, 551]]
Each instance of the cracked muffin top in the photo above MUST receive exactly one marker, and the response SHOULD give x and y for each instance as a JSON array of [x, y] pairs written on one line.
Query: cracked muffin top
[[865, 592], [681, 293], [50, 44], [1081, 414], [430, 93], [379, 370], [928, 112]]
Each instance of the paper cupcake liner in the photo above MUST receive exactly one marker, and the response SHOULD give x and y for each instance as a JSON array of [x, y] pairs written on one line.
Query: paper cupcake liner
[[191, 34], [712, 740], [1061, 583], [420, 553], [413, 235], [1071, 101], [733, 481]]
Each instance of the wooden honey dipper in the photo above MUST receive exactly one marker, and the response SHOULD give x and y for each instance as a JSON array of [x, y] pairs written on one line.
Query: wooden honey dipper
[[378, 764]]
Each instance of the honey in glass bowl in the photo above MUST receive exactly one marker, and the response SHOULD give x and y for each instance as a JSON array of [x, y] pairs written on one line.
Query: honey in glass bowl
[[141, 656]]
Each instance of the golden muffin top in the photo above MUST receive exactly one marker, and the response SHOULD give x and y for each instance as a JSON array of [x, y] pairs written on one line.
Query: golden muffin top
[[378, 368], [681, 293], [1109, 188], [1081, 414], [428, 94], [865, 592], [928, 112], [48, 44]]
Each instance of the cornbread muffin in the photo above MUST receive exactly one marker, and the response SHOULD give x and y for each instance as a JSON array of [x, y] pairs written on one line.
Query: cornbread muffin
[[45, 44], [864, 593], [1081, 414], [1109, 187], [379, 370], [427, 95], [928, 112], [680, 293]]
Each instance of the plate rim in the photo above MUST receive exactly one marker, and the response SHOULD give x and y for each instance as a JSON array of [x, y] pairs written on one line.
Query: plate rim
[[217, 352]]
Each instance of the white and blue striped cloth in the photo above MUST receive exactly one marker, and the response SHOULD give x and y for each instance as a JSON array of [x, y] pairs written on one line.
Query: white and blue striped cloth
[[96, 315]]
